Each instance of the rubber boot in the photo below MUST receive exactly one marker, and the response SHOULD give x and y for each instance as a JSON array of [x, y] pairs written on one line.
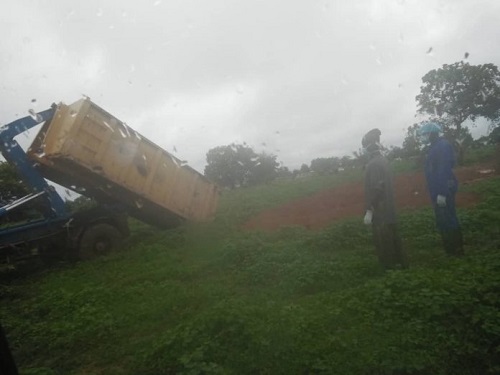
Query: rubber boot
[[453, 242], [458, 242]]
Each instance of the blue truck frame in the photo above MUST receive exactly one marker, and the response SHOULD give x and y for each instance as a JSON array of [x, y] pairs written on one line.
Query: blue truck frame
[[57, 226]]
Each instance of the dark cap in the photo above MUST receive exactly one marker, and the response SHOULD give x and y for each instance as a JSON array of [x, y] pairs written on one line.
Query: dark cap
[[371, 138]]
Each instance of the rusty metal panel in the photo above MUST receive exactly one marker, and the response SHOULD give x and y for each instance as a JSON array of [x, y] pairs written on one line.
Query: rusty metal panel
[[84, 148]]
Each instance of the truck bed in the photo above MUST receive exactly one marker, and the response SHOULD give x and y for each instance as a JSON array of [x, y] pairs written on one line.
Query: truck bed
[[87, 150]]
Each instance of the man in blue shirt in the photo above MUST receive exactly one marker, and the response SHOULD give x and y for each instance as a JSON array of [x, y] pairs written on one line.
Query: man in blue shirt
[[442, 185]]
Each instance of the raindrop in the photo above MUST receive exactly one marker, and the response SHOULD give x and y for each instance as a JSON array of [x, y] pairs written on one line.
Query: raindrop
[[132, 68], [372, 47], [111, 27], [174, 159], [344, 82], [126, 129], [124, 14], [108, 126], [429, 51], [157, 2], [122, 133], [35, 116], [73, 113], [466, 55], [99, 12], [139, 203], [378, 61]]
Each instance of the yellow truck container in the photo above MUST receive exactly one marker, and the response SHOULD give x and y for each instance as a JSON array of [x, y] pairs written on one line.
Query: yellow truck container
[[86, 149]]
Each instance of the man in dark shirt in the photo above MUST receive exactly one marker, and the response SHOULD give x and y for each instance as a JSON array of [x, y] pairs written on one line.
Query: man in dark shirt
[[379, 205], [442, 185]]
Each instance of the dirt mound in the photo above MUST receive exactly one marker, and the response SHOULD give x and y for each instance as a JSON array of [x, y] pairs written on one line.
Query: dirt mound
[[345, 201]]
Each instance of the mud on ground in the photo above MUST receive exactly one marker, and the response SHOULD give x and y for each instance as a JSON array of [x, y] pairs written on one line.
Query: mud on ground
[[347, 201]]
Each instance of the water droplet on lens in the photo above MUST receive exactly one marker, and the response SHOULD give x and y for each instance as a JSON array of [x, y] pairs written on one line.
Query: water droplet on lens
[[35, 116]]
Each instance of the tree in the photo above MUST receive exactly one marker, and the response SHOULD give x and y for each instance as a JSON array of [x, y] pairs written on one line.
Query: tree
[[229, 166], [395, 152], [284, 172], [346, 162], [411, 144], [459, 92], [238, 165], [265, 169], [11, 186], [325, 165], [304, 168]]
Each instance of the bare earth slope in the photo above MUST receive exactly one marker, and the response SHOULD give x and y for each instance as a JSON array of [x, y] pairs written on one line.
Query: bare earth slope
[[325, 207]]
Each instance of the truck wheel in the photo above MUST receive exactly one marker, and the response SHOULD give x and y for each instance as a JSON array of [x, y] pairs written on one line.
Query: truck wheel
[[99, 239]]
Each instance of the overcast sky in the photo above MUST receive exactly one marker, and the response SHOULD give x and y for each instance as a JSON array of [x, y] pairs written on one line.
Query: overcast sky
[[298, 79]]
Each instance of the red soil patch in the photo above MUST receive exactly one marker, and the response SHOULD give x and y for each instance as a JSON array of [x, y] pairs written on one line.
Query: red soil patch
[[325, 207]]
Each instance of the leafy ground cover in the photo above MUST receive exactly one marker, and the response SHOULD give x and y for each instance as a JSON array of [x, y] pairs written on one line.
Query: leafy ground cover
[[214, 299]]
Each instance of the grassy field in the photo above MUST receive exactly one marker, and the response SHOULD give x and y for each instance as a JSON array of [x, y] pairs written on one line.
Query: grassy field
[[213, 299]]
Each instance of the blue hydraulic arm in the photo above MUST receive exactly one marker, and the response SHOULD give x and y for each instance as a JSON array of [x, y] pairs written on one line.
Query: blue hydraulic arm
[[16, 156]]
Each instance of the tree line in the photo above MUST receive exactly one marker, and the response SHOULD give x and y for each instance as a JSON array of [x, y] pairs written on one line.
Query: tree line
[[452, 95]]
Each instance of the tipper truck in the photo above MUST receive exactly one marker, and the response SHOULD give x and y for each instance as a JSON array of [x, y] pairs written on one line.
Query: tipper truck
[[87, 150]]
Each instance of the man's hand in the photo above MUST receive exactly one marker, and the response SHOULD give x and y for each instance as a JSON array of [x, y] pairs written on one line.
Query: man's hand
[[441, 201], [367, 220]]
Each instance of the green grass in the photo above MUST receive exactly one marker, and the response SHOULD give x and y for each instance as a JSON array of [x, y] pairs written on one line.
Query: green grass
[[212, 299]]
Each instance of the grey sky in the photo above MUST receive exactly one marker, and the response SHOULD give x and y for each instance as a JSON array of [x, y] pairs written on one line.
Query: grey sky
[[299, 79]]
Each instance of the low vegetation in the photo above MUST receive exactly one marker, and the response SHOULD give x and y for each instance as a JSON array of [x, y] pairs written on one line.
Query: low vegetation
[[214, 299]]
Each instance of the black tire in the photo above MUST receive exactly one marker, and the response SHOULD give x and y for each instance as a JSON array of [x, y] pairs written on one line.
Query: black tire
[[99, 239]]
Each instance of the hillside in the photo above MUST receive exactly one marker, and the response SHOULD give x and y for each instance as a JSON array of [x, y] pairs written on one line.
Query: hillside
[[226, 298]]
